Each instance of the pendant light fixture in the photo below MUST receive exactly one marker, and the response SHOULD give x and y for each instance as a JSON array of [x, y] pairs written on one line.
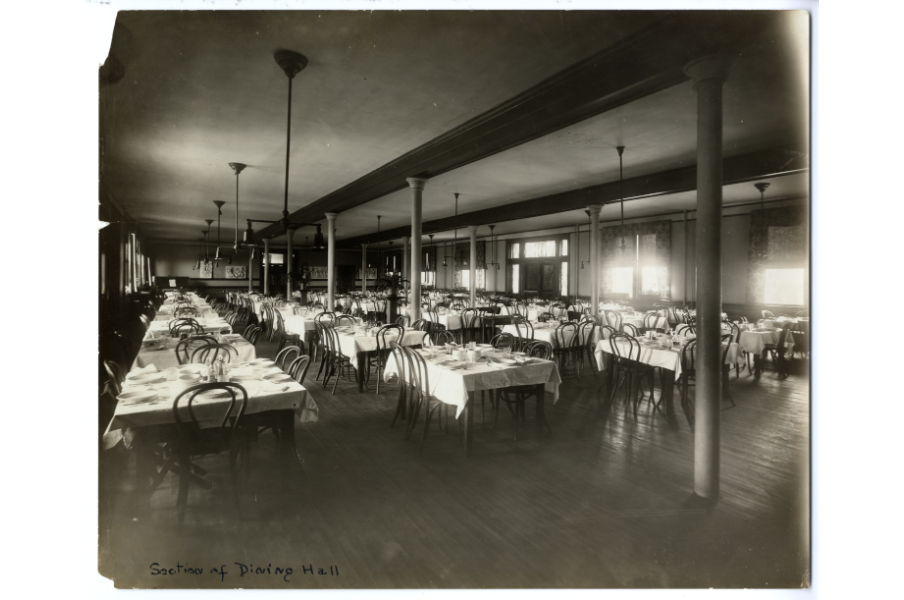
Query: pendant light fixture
[[292, 63], [379, 250], [219, 204], [492, 241], [621, 191], [207, 240], [455, 234], [427, 257], [587, 212], [762, 187]]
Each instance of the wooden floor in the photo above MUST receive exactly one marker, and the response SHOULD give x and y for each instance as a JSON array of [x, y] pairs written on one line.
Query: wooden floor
[[603, 502]]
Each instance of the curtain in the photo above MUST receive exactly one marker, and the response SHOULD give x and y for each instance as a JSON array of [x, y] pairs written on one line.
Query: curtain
[[778, 239], [462, 257], [648, 248]]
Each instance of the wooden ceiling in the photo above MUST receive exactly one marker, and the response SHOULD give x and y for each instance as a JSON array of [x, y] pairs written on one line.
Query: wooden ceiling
[[520, 112]]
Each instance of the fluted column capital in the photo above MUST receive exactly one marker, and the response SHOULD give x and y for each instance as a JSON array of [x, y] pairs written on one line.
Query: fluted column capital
[[595, 209], [417, 183], [331, 216]]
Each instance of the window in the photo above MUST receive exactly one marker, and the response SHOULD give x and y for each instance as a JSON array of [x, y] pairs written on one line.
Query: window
[[466, 278], [276, 259], [543, 262], [784, 286], [539, 249], [623, 281], [650, 278], [428, 278]]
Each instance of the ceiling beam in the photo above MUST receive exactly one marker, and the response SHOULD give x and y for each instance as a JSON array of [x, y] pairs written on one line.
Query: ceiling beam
[[642, 64], [737, 169]]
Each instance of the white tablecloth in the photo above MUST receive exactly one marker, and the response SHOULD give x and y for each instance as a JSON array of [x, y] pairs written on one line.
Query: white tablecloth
[[262, 396], [216, 325], [666, 358], [299, 324], [548, 334], [166, 357], [452, 386], [755, 342], [350, 344]]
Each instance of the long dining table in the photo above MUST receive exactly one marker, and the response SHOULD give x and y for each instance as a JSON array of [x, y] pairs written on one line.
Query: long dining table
[[668, 359], [455, 383], [162, 351], [356, 345], [274, 399]]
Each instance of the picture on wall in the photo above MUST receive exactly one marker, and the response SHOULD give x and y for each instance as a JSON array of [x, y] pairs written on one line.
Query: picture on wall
[[206, 270], [236, 272]]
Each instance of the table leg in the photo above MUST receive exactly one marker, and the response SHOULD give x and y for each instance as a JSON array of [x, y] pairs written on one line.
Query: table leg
[[284, 421], [606, 387], [541, 413], [757, 365], [667, 379], [468, 416], [359, 373]]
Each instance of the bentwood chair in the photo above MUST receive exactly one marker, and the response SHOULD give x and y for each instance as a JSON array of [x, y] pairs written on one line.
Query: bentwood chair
[[524, 330], [251, 333], [613, 319], [545, 317], [422, 399], [213, 352], [689, 374], [399, 355], [185, 348], [735, 332], [627, 352], [585, 344], [503, 340], [184, 321], [777, 351], [470, 326], [337, 363], [285, 357], [299, 368], [521, 393], [567, 344], [629, 329], [116, 375], [439, 338], [184, 330], [195, 440], [385, 335]]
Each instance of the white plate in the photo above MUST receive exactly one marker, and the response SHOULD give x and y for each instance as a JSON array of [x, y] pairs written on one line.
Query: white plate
[[264, 362], [146, 378], [278, 378], [241, 378], [137, 396], [502, 361]]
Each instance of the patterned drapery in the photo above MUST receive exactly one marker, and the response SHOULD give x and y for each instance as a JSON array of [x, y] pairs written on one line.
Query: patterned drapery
[[778, 239], [654, 251], [462, 254]]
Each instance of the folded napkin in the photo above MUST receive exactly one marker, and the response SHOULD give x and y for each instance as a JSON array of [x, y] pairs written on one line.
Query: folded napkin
[[141, 370]]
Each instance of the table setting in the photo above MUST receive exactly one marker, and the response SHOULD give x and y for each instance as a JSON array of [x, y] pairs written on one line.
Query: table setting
[[148, 393], [161, 350], [454, 372]]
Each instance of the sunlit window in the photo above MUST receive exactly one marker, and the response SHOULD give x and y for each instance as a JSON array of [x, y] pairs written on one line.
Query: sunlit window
[[564, 248], [784, 286], [466, 279], [539, 249], [516, 279], [650, 278], [623, 281], [276, 259], [481, 279], [516, 250], [428, 278]]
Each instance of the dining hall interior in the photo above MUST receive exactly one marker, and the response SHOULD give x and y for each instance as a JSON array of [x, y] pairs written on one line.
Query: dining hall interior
[[490, 299]]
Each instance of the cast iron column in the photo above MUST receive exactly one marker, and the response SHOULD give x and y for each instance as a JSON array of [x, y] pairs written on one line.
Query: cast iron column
[[417, 192]]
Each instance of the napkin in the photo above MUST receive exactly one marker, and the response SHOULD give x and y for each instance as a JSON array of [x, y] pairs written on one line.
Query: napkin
[[151, 368]]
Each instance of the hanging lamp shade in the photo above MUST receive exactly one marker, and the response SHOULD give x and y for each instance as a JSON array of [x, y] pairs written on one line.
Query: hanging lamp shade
[[319, 243]]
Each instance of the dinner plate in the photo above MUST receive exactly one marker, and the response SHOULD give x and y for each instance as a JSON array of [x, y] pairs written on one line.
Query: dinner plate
[[278, 378], [232, 336], [145, 378], [137, 396], [264, 362], [502, 361], [484, 345], [241, 378]]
